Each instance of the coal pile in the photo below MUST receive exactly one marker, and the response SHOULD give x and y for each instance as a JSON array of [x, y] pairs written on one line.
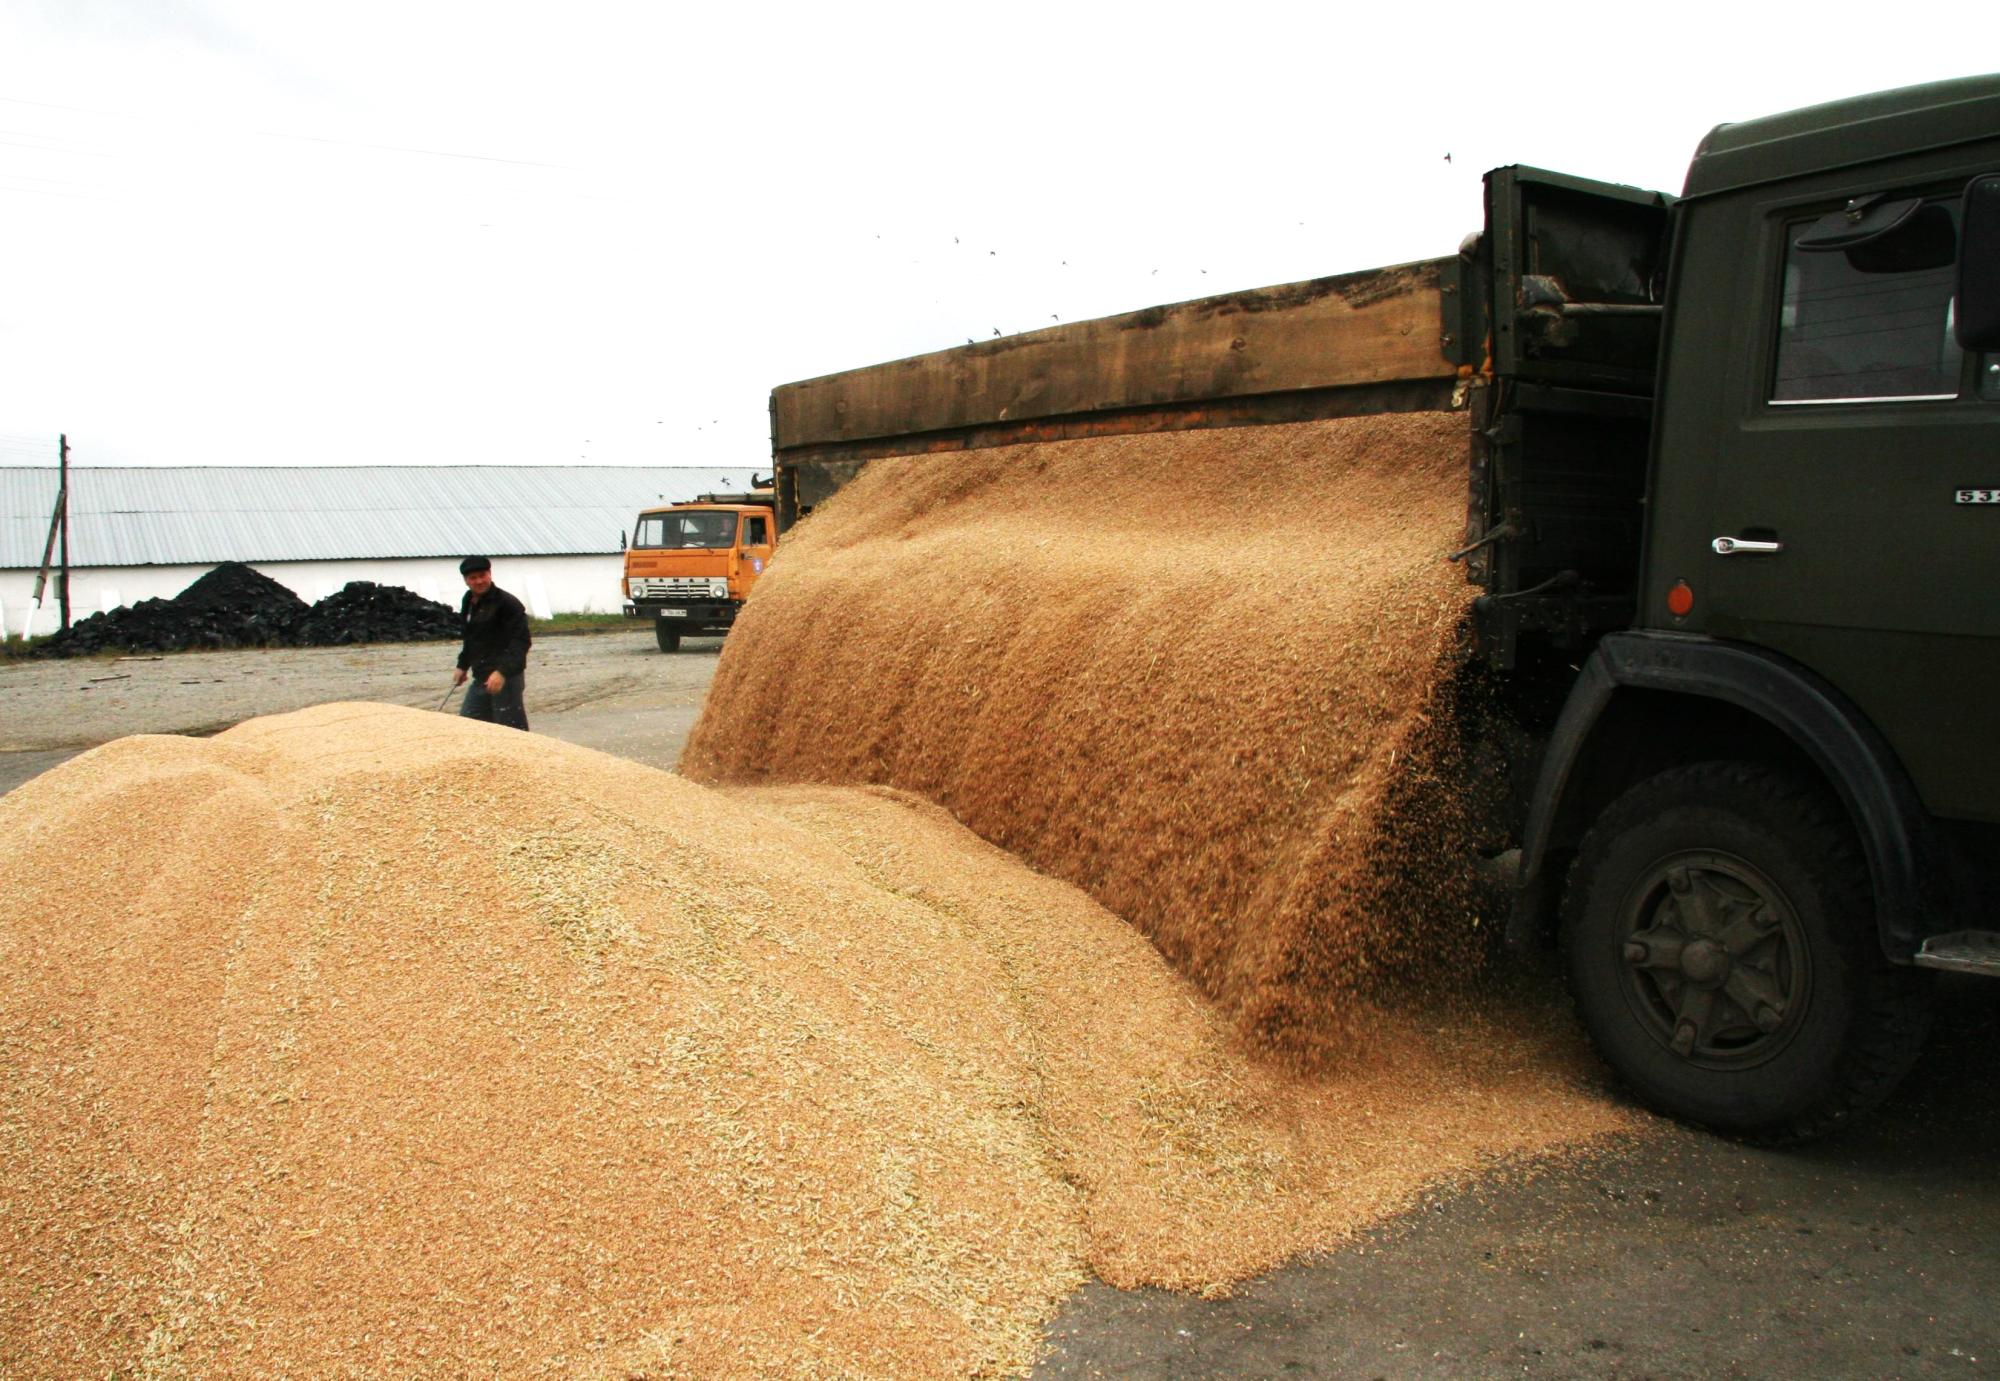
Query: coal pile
[[364, 612], [236, 606], [235, 588], [231, 606]]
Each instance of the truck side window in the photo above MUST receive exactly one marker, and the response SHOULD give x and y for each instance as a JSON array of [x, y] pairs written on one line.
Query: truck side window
[[1871, 321], [753, 533]]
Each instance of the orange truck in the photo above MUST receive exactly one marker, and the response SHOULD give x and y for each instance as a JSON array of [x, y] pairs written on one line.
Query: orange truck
[[690, 565]]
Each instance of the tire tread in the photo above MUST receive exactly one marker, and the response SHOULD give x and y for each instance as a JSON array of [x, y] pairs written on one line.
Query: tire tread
[[1892, 1013]]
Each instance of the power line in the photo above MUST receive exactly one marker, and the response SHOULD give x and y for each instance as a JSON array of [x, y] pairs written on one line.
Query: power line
[[300, 138], [46, 192], [68, 148]]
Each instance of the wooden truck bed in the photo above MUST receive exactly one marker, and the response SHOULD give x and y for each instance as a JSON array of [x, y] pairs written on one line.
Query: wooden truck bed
[[1359, 342]]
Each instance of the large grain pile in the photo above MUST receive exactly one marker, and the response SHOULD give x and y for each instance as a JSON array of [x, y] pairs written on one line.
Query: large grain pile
[[1207, 676], [370, 1041]]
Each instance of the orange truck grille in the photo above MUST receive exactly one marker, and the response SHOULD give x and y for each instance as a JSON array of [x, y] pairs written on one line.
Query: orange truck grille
[[681, 587]]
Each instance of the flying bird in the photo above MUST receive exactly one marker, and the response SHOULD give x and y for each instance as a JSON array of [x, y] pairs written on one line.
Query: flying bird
[[996, 330], [1447, 158]]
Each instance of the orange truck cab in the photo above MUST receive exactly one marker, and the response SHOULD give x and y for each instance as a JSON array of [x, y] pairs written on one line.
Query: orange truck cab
[[690, 565]]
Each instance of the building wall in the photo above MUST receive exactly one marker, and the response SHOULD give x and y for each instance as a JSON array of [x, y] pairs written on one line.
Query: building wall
[[546, 584]]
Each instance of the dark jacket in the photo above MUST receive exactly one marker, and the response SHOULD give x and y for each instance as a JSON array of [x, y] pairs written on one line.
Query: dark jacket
[[496, 634]]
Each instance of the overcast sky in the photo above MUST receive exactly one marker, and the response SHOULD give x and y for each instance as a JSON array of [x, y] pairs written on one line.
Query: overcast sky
[[429, 231]]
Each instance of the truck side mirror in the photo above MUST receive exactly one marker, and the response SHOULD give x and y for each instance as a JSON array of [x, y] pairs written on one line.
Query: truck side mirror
[[1978, 304], [621, 539]]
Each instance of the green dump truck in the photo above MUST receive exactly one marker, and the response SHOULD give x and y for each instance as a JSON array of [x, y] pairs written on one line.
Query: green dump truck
[[1734, 512]]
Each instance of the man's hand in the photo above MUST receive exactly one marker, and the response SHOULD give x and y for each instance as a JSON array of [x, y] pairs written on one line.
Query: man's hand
[[493, 683], [458, 676]]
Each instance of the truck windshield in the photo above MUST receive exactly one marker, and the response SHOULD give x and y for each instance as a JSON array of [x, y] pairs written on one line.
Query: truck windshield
[[683, 530]]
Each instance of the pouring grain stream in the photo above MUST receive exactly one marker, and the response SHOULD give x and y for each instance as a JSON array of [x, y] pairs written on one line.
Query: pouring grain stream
[[1207, 676]]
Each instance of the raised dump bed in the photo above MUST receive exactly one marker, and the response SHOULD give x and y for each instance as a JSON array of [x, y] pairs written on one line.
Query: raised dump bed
[[1329, 347]]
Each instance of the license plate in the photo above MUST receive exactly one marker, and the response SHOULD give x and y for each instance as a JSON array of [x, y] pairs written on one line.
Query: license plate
[[673, 613]]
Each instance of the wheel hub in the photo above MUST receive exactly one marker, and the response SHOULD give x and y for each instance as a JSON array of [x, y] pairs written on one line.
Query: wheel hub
[[1705, 962], [1716, 959]]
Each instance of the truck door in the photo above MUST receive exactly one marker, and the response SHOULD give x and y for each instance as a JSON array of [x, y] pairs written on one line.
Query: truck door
[[1843, 529], [756, 548], [1576, 278]]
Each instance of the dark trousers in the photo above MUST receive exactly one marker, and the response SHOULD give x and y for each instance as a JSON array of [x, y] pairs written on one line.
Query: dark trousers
[[504, 708]]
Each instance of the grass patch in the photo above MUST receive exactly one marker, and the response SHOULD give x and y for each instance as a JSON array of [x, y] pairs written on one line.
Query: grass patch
[[13, 649], [582, 623]]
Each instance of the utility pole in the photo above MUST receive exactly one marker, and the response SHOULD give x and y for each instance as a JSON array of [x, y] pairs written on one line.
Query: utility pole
[[58, 523], [62, 507]]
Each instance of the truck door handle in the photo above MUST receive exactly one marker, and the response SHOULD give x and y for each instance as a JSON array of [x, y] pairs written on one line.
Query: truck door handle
[[1744, 546]]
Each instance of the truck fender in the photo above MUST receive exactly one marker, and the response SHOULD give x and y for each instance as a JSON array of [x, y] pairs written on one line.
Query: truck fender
[[1895, 830]]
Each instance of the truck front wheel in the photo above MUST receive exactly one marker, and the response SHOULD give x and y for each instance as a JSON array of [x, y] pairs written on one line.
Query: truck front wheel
[[1720, 938], [669, 638]]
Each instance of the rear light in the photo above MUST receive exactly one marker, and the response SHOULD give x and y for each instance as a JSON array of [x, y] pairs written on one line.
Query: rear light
[[1680, 600]]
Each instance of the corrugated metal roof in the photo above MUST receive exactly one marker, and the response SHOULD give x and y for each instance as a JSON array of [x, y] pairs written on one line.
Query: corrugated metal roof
[[146, 516]]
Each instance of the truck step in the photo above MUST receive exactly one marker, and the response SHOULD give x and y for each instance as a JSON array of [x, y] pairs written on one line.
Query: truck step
[[1963, 951]]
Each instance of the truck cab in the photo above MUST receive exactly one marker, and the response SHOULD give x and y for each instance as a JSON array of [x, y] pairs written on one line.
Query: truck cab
[[1770, 800], [690, 566]]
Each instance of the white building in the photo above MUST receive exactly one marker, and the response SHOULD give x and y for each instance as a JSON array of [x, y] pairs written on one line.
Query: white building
[[138, 532]]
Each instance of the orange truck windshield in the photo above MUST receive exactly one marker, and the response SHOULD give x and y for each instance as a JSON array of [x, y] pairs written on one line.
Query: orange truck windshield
[[682, 531]]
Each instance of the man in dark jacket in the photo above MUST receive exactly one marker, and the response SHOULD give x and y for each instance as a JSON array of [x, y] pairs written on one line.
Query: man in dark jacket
[[496, 648]]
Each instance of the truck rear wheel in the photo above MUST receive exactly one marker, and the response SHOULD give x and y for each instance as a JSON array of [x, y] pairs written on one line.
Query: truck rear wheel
[[1720, 939], [669, 638]]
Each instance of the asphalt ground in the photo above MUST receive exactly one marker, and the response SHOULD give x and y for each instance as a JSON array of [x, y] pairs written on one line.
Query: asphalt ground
[[1875, 1253], [1675, 1254], [613, 691]]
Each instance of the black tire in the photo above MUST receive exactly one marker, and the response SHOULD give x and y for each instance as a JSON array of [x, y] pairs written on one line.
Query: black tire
[[669, 638], [1720, 938]]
